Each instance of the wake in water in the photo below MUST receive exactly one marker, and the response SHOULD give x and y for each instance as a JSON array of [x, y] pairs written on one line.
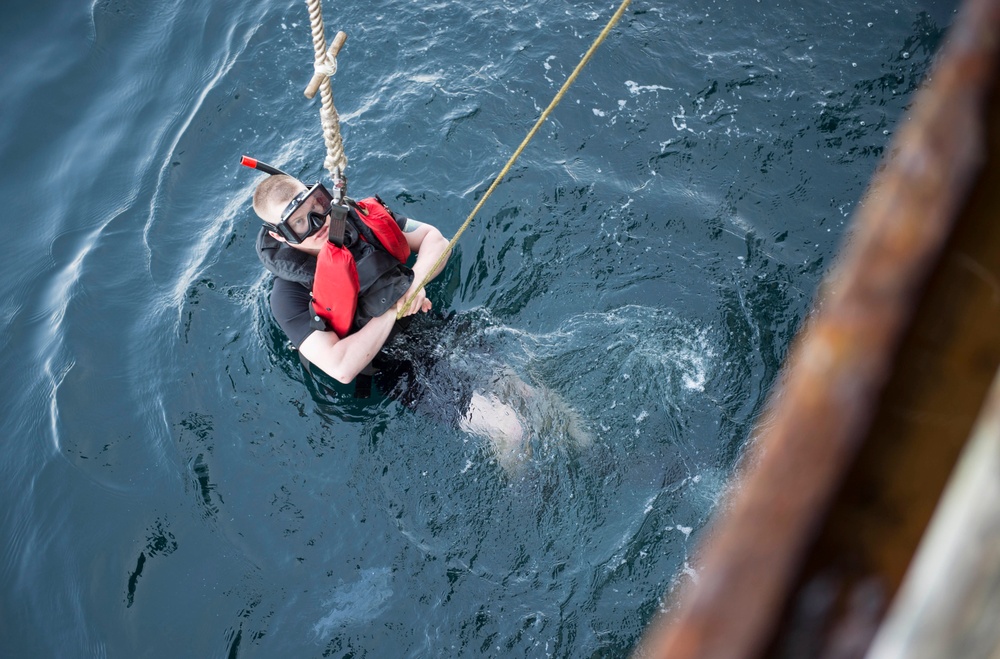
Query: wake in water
[[534, 396]]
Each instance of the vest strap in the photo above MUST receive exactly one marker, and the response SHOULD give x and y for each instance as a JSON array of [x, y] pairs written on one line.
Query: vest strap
[[338, 223]]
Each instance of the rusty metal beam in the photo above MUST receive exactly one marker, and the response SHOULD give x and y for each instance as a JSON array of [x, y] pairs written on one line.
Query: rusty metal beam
[[877, 397]]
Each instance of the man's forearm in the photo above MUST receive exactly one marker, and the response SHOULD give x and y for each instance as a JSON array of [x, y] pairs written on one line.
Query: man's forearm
[[343, 359], [431, 249]]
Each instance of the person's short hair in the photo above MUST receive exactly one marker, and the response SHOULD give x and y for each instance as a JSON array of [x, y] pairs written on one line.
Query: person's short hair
[[276, 190]]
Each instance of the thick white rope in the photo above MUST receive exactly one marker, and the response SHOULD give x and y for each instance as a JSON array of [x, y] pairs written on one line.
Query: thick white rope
[[325, 65]]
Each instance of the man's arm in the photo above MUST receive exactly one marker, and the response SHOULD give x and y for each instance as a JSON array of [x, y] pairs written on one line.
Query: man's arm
[[343, 359], [429, 244]]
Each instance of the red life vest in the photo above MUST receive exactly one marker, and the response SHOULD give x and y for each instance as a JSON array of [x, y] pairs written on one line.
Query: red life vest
[[381, 220], [365, 276]]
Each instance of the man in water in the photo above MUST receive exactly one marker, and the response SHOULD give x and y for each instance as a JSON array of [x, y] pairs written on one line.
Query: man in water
[[283, 200], [340, 358]]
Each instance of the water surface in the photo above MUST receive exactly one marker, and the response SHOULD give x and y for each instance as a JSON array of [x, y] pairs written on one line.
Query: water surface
[[175, 485]]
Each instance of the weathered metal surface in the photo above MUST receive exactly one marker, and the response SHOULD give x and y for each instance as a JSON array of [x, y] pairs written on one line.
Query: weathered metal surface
[[877, 397], [949, 603]]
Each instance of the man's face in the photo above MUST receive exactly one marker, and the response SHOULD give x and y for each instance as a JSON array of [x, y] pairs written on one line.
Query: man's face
[[298, 221]]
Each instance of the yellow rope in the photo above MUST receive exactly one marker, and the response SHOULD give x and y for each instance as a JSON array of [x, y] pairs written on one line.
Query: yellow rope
[[555, 101]]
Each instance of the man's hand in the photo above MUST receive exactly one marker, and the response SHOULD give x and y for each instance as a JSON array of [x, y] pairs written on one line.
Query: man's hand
[[429, 244], [419, 303]]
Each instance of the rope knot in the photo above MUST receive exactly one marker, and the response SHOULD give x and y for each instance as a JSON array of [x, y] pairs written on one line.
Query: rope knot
[[325, 67]]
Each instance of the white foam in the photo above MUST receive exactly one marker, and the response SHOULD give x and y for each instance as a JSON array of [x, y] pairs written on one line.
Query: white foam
[[635, 88], [357, 603], [695, 380]]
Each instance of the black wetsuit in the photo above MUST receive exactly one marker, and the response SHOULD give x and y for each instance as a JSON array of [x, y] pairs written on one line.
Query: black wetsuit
[[290, 306]]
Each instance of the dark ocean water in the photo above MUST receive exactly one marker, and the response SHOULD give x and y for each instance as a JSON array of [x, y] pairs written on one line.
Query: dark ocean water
[[173, 485]]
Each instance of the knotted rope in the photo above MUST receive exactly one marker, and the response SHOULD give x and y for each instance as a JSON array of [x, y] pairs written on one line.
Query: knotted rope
[[534, 129], [324, 66]]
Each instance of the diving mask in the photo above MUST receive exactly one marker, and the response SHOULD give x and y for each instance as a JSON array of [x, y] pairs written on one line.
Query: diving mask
[[318, 200]]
